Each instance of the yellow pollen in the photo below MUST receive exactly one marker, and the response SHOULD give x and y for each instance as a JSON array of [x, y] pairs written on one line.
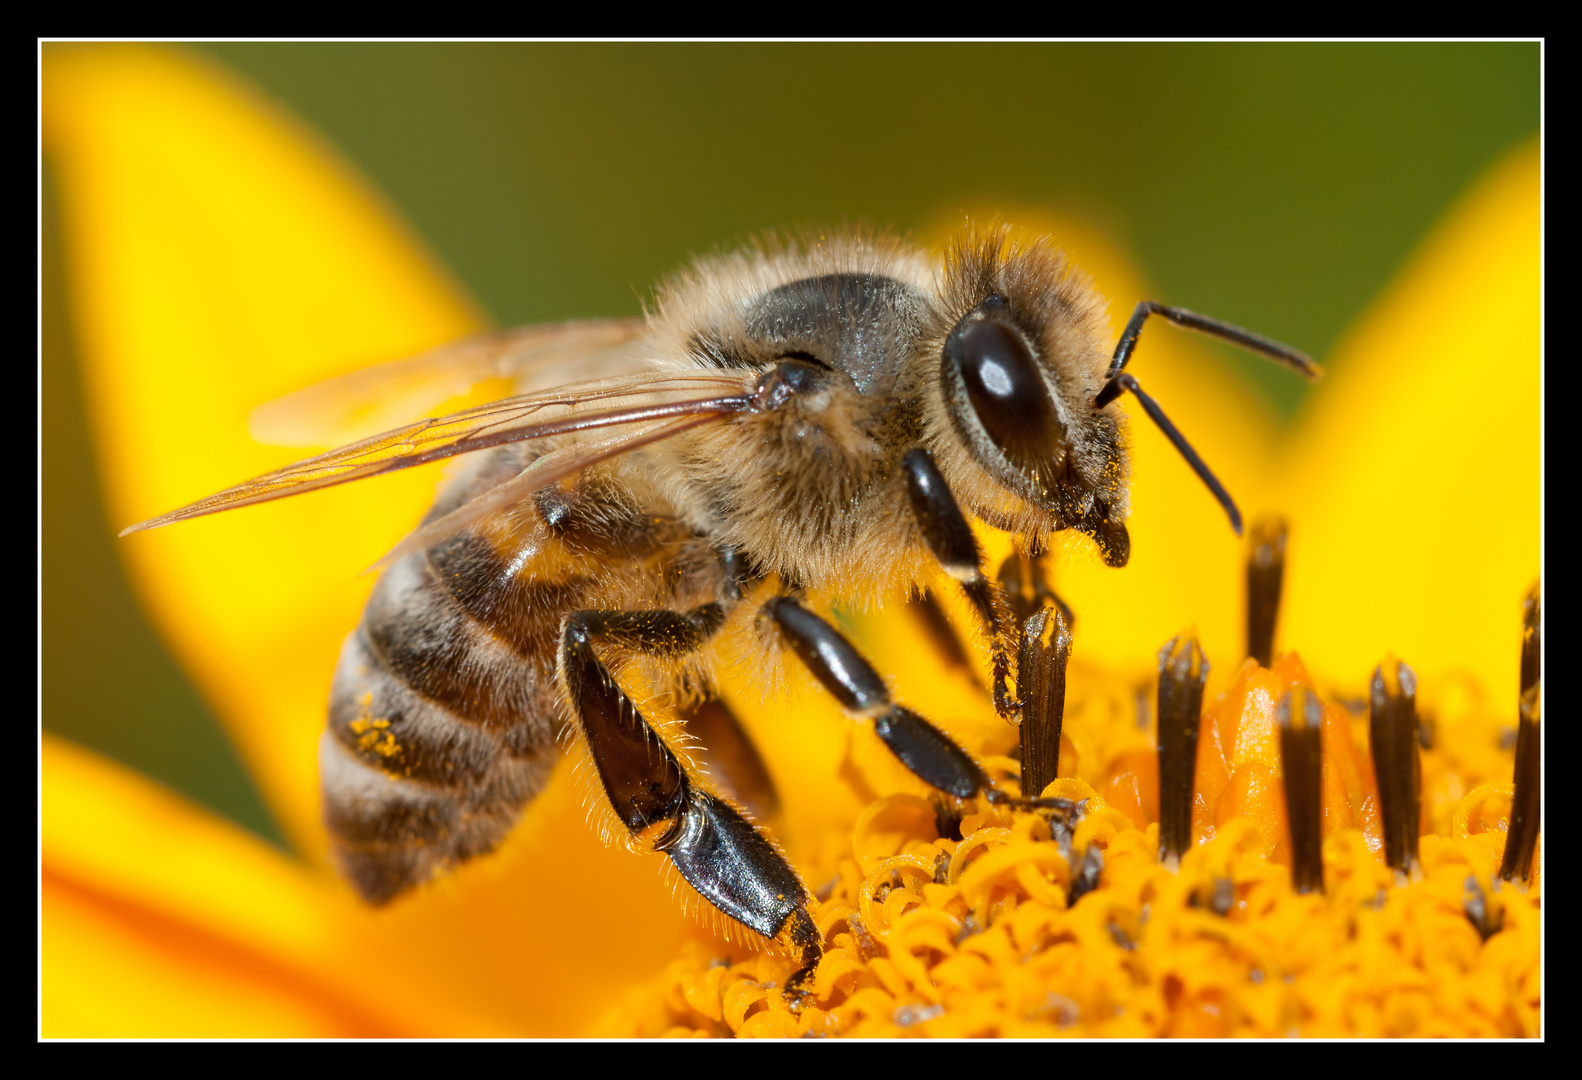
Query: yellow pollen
[[1029, 925], [368, 734]]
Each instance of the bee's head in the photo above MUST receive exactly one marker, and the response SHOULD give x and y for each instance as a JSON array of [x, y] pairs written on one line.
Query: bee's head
[[1021, 358]]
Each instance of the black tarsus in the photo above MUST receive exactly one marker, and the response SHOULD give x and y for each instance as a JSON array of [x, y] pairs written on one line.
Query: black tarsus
[[1116, 380], [929, 753], [947, 822], [729, 862], [802, 936], [986, 600]]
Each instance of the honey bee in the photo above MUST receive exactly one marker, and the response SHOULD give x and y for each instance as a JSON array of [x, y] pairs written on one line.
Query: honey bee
[[823, 418]]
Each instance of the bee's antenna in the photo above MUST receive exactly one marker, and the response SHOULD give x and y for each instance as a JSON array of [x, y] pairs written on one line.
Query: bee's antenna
[[1294, 359], [1284, 355], [1125, 381]]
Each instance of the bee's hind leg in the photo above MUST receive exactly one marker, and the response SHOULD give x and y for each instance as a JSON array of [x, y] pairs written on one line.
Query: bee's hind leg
[[717, 850]]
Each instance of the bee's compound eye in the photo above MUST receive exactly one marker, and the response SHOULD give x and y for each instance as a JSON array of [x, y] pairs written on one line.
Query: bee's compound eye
[[1008, 394]]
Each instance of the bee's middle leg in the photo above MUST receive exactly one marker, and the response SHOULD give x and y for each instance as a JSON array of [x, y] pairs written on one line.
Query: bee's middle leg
[[928, 752], [717, 850]]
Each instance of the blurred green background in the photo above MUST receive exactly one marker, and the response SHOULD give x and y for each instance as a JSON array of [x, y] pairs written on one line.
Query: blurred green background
[[1277, 186]]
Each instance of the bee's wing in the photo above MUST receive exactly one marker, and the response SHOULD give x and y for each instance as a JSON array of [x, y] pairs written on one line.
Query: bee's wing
[[544, 471], [637, 405], [373, 399]]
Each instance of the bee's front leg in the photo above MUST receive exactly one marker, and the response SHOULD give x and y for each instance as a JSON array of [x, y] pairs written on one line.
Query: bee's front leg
[[717, 850], [949, 538]]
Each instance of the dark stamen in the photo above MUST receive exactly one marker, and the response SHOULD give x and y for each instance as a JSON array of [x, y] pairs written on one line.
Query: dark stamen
[[1125, 381], [1219, 898], [1426, 726], [1086, 879], [947, 818], [1041, 684], [1183, 669], [1224, 896], [1301, 719], [1476, 905], [1393, 734], [1265, 573], [1522, 839]]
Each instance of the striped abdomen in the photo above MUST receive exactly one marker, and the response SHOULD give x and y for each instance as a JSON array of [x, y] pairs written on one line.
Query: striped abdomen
[[444, 711]]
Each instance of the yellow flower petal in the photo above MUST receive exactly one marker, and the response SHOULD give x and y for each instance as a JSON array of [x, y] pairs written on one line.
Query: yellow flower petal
[[160, 919], [1414, 482], [219, 257]]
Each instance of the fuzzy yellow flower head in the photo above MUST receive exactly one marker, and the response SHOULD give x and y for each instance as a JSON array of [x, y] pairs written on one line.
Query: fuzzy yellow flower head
[[967, 918]]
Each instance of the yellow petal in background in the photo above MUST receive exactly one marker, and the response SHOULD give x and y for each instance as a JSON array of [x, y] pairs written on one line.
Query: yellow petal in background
[[159, 919], [1414, 479], [219, 256]]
